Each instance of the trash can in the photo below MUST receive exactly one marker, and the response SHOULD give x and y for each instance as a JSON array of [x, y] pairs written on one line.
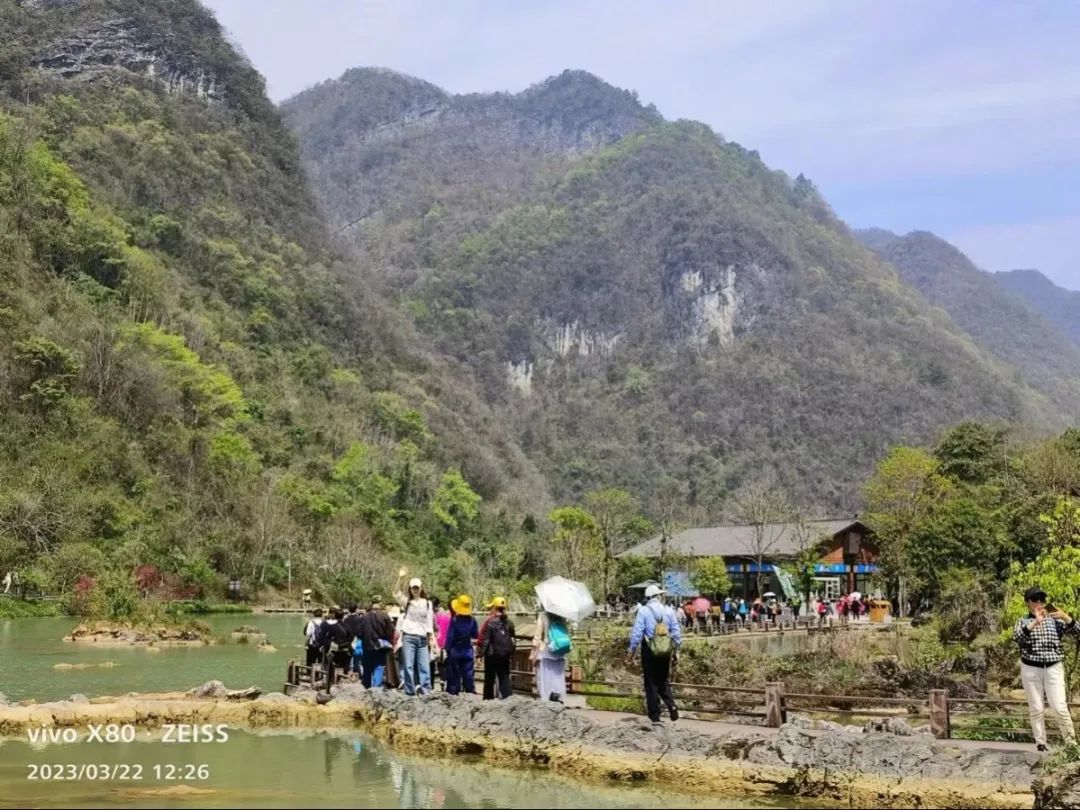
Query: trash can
[[879, 609]]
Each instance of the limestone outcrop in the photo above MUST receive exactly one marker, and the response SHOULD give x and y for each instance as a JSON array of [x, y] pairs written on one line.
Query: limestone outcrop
[[858, 767]]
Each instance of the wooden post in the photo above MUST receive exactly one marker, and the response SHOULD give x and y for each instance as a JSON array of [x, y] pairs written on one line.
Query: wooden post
[[576, 677], [939, 713], [775, 713], [290, 676]]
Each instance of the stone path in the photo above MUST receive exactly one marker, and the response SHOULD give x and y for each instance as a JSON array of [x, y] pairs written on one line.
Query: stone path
[[720, 728]]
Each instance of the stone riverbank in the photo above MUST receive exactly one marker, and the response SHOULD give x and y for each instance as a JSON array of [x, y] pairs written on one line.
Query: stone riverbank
[[834, 767]]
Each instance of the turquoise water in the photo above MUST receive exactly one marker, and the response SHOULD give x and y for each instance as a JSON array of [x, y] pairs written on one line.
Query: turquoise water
[[300, 769], [30, 649]]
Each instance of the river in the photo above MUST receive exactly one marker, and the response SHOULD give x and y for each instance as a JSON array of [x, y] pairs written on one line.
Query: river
[[276, 769], [30, 649], [300, 769]]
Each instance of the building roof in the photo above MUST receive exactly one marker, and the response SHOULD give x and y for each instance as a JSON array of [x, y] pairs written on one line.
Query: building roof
[[779, 539]]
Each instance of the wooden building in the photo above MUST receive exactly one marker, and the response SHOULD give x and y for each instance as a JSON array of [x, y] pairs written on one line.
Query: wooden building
[[847, 555]]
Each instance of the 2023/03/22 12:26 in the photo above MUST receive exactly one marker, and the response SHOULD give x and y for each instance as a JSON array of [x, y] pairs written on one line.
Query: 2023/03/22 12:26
[[186, 772]]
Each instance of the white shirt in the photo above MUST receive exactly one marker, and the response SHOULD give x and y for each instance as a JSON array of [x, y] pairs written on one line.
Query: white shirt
[[417, 618]]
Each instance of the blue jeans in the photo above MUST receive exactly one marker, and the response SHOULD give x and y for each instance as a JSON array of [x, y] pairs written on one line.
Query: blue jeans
[[374, 667], [460, 671], [415, 652]]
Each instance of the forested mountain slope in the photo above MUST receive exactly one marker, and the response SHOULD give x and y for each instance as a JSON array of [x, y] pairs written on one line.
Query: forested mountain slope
[[1007, 326], [1058, 305], [191, 380], [648, 304]]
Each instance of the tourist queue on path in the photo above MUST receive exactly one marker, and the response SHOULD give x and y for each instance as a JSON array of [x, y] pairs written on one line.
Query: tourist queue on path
[[411, 642], [406, 645]]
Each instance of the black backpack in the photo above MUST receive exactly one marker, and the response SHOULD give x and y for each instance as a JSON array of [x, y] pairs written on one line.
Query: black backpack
[[499, 641]]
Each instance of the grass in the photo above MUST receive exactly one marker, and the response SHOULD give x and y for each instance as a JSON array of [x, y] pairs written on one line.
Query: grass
[[630, 705], [1064, 755], [13, 608]]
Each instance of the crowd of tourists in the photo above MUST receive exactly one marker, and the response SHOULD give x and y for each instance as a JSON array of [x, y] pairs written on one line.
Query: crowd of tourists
[[417, 644], [701, 613]]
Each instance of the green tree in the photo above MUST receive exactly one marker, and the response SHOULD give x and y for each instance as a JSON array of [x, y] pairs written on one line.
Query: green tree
[[632, 569], [1063, 523], [710, 576], [905, 490], [365, 490], [619, 525], [208, 395], [455, 502], [579, 551], [966, 532], [47, 370], [972, 453]]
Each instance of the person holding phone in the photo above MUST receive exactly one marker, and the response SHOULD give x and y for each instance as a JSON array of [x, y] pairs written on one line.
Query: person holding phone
[[1039, 636]]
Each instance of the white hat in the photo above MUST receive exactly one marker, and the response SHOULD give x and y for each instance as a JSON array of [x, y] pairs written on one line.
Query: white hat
[[653, 590], [415, 583]]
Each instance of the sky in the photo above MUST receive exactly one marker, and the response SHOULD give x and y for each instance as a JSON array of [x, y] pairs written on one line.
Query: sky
[[961, 118]]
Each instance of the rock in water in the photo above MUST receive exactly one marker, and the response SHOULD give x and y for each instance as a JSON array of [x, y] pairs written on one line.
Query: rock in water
[[210, 689]]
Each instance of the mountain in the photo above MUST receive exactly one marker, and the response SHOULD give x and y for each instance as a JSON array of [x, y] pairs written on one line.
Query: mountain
[[194, 382], [1059, 306], [648, 304], [1006, 326]]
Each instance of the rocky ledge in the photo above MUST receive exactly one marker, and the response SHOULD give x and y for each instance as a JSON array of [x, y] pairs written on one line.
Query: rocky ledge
[[864, 768], [1058, 790], [111, 635]]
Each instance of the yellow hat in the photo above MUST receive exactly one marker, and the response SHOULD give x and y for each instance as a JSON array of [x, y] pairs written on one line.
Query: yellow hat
[[462, 605], [497, 602]]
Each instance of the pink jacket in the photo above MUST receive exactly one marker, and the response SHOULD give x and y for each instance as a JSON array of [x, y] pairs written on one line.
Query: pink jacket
[[442, 623]]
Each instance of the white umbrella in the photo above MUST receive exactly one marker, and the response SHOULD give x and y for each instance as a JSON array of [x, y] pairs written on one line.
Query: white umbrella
[[856, 595], [566, 598], [769, 595]]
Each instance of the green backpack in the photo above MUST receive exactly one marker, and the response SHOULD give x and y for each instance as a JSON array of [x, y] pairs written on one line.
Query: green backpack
[[660, 644]]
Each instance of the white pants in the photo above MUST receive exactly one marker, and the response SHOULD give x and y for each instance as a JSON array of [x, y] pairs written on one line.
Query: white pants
[[1050, 681]]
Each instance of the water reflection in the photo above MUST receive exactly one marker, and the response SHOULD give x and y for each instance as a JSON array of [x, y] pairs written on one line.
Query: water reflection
[[305, 768]]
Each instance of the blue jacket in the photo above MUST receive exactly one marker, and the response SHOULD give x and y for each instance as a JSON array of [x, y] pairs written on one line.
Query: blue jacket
[[646, 620], [460, 635]]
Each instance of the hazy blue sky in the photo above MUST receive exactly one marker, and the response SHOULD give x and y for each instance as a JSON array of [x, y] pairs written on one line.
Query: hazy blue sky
[[959, 117]]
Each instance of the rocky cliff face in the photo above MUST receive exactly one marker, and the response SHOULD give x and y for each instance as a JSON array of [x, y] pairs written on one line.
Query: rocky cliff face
[[99, 48]]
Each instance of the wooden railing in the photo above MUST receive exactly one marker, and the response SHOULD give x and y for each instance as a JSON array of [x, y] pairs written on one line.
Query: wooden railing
[[956, 718]]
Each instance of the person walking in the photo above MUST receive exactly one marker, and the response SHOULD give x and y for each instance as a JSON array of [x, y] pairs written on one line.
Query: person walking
[[311, 636], [352, 623], [656, 631], [550, 648], [417, 630], [496, 645], [376, 634], [1039, 636]]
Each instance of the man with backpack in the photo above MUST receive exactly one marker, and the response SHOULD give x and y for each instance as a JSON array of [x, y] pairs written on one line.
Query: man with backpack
[[656, 630], [496, 645], [376, 635], [311, 636], [336, 643]]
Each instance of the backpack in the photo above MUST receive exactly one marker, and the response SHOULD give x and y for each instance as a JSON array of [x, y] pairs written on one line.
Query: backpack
[[500, 643], [660, 644], [311, 632], [558, 636]]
